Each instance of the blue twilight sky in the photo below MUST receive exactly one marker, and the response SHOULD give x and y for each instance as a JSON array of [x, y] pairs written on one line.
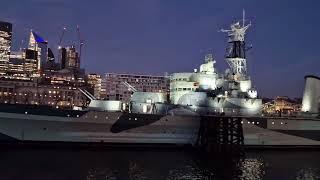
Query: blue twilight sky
[[157, 36]]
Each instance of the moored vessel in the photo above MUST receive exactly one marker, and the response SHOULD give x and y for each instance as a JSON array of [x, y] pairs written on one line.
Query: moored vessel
[[156, 118]]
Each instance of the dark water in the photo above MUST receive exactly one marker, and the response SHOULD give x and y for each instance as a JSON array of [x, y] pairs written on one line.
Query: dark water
[[153, 164]]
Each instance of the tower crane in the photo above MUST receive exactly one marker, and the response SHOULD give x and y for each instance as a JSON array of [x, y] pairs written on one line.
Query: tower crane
[[59, 44], [81, 42], [61, 36]]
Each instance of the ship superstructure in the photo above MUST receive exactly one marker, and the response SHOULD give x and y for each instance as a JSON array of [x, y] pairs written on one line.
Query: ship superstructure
[[207, 91]]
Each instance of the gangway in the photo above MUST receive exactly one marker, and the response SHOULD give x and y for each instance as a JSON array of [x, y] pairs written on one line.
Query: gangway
[[86, 93], [129, 86]]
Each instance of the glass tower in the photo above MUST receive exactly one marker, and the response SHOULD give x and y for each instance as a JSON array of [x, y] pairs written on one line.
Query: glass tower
[[5, 45]]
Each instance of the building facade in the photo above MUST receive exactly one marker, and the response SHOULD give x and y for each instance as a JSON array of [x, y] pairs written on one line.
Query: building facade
[[114, 88], [23, 65], [30, 92], [282, 105], [5, 45], [38, 44], [69, 58], [72, 56], [94, 83]]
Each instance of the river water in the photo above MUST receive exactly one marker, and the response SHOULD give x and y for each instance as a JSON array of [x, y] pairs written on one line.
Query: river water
[[154, 163]]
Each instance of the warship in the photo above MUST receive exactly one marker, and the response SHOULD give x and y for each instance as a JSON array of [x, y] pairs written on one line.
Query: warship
[[168, 117]]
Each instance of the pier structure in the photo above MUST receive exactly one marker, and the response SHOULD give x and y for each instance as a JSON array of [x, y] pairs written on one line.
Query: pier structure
[[221, 134]]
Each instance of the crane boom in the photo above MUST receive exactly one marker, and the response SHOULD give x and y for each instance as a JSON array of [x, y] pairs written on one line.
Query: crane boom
[[81, 42], [61, 36]]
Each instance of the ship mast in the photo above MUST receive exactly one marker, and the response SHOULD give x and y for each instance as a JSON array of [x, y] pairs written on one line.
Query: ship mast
[[236, 52]]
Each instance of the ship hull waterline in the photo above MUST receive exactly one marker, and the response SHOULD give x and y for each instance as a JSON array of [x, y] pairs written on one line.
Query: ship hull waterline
[[129, 128]]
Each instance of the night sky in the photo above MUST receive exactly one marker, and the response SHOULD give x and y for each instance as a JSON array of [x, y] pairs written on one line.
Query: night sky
[[157, 36]]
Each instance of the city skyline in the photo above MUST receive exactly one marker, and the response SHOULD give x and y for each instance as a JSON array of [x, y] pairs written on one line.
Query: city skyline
[[146, 37]]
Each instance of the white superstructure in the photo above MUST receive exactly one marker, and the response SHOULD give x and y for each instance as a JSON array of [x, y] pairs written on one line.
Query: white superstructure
[[207, 91], [311, 95]]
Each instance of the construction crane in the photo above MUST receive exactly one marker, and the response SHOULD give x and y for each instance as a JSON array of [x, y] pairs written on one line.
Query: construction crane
[[61, 36], [59, 44], [81, 42]]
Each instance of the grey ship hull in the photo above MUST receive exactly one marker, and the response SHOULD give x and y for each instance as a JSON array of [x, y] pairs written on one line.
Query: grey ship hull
[[119, 127], [108, 127], [281, 131]]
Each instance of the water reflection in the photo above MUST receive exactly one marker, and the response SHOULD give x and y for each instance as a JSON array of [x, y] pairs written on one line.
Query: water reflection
[[136, 172], [252, 169], [190, 171], [105, 174], [155, 164], [308, 173], [193, 168]]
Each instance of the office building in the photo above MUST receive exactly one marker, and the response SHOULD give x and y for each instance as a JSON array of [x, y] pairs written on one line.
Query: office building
[[114, 88], [72, 58], [94, 83], [5, 45], [38, 44], [69, 58]]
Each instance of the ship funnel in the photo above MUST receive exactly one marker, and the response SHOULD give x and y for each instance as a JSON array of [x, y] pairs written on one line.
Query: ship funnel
[[311, 94]]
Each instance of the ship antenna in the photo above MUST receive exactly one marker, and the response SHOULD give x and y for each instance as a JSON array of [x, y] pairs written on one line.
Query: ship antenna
[[243, 17]]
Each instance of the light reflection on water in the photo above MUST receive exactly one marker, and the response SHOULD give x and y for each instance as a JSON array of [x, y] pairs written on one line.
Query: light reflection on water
[[308, 173], [153, 164], [252, 169]]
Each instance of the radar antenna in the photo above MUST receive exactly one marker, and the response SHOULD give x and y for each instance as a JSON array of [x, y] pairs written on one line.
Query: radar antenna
[[236, 31], [236, 51]]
